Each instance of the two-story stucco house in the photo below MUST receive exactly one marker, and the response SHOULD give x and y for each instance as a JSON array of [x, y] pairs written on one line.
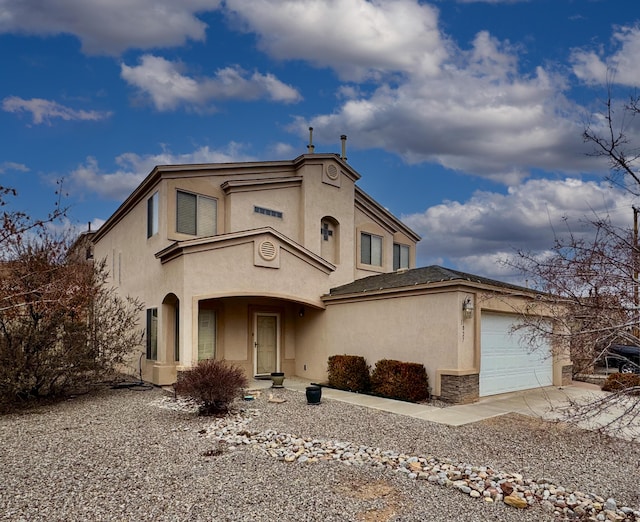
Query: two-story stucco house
[[276, 265]]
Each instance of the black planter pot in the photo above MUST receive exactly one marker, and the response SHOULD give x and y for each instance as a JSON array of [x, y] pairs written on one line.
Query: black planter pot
[[314, 394]]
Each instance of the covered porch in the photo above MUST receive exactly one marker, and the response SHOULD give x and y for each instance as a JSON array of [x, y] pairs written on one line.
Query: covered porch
[[257, 333]]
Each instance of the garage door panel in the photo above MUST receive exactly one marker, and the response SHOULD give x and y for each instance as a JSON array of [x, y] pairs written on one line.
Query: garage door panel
[[509, 361]]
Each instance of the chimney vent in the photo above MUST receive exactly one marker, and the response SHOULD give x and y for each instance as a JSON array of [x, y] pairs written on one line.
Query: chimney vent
[[311, 147], [343, 138]]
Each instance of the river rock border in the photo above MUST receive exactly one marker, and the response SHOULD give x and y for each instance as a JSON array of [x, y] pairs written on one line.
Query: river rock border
[[481, 482]]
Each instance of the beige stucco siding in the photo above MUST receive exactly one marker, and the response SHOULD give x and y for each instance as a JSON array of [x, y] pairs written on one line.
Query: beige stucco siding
[[312, 345], [230, 271], [424, 329], [321, 199], [135, 271], [241, 214]]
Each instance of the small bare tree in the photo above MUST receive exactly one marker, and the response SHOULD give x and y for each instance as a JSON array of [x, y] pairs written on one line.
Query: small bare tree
[[589, 282], [61, 327], [587, 288], [612, 139]]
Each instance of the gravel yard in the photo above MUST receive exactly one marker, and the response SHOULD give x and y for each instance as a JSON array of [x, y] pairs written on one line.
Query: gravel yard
[[119, 455]]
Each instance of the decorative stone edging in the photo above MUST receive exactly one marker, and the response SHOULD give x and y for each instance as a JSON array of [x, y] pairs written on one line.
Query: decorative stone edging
[[476, 481]]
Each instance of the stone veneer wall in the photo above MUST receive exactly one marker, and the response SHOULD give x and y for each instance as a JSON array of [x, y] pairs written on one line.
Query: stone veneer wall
[[567, 374], [460, 389]]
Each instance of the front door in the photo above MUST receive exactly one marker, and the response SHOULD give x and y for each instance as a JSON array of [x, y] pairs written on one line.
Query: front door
[[266, 343]]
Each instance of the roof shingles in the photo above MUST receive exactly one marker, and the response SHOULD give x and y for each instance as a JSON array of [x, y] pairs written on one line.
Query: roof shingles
[[413, 277]]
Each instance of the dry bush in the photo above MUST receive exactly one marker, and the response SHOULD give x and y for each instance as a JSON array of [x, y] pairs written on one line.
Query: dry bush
[[629, 382], [400, 380], [349, 372], [214, 383], [61, 327]]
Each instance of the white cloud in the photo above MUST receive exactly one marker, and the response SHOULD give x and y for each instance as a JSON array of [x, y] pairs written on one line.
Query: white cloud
[[168, 86], [283, 150], [470, 110], [593, 66], [109, 27], [491, 1], [478, 115], [477, 234], [43, 111], [7, 166], [356, 38], [132, 168]]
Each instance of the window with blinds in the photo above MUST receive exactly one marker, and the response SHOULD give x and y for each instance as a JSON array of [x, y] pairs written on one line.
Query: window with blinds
[[370, 249], [400, 256], [195, 214]]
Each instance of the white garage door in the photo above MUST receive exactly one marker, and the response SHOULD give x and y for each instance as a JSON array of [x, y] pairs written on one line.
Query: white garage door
[[508, 361]]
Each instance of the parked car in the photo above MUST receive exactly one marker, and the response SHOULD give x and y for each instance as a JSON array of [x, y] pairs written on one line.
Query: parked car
[[626, 357]]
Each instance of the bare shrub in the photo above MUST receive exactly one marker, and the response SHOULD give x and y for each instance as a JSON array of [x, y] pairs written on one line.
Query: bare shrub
[[61, 327], [400, 380], [349, 372], [214, 383], [628, 382]]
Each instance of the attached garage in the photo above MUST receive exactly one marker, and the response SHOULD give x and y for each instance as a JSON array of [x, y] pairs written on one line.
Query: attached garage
[[460, 326], [508, 360]]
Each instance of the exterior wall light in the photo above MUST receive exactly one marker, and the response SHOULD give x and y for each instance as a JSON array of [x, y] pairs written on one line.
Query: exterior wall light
[[467, 308]]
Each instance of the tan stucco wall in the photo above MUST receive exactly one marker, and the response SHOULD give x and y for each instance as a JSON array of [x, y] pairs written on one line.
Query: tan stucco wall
[[321, 199], [134, 270], [312, 345], [428, 328], [241, 215], [228, 271], [425, 329]]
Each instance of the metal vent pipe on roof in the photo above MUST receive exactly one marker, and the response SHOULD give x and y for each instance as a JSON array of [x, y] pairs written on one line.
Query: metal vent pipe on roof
[[311, 147], [343, 138]]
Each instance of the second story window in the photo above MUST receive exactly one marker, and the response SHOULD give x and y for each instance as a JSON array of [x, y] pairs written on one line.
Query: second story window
[[152, 215], [400, 256], [196, 215], [370, 249]]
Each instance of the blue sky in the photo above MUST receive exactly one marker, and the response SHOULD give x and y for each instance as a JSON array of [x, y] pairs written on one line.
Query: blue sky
[[464, 118]]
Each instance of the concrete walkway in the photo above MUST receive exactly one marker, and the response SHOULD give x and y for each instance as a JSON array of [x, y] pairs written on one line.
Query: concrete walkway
[[546, 403]]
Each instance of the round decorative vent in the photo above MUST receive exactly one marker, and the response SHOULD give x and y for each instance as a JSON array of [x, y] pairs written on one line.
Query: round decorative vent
[[267, 250], [332, 172]]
